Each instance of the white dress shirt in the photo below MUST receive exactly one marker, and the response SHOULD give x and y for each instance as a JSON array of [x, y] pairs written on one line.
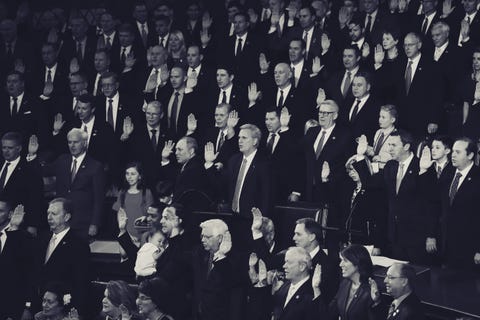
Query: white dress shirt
[[244, 39], [362, 102], [19, 102], [228, 91], [352, 75], [286, 91], [293, 288], [439, 51], [10, 169], [80, 159], [53, 71], [115, 102], [247, 166]]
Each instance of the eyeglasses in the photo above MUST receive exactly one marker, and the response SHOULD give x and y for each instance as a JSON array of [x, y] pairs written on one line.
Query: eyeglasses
[[390, 278], [325, 113]]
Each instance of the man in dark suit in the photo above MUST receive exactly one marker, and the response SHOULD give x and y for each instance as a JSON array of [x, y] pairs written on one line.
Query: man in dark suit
[[399, 283], [64, 257], [374, 21], [109, 38], [424, 23], [309, 33], [16, 263], [80, 45], [459, 193], [466, 26], [204, 76], [144, 31], [21, 181], [128, 47], [101, 64], [13, 47]]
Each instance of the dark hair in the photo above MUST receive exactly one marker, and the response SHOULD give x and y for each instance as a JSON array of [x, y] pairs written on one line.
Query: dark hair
[[159, 291], [67, 204], [366, 75], [244, 15], [471, 146], [140, 184], [104, 51], [87, 98], [109, 74], [360, 258], [58, 289], [391, 109], [226, 67], [126, 27], [162, 18], [394, 32], [120, 293], [54, 45], [21, 75], [445, 140], [312, 227], [405, 137], [80, 74], [156, 228], [274, 109], [180, 211], [302, 42], [309, 8], [16, 137], [354, 48]]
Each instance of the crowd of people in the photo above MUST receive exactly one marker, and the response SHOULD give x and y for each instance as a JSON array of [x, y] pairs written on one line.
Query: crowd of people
[[365, 109]]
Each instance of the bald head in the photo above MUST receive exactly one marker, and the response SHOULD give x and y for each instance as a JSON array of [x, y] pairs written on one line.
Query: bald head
[[282, 75]]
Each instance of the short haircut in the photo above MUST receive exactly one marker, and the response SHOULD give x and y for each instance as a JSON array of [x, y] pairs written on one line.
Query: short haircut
[[303, 45], [217, 226], [180, 211], [108, 75], [80, 74], [360, 258], [126, 27], [445, 140], [471, 146], [358, 54], [391, 109], [330, 103], [256, 133], [159, 291], [394, 32], [312, 227], [54, 45], [225, 105], [156, 104], [302, 255], [226, 67], [163, 18], [58, 289], [79, 133], [405, 137], [244, 15], [414, 35], [191, 143], [274, 109], [441, 25], [16, 137], [407, 271], [67, 204], [309, 8], [87, 98], [8, 203], [366, 75], [21, 75]]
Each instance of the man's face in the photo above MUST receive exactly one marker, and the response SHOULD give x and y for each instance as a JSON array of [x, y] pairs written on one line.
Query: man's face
[[157, 56], [101, 62], [327, 115], [412, 46], [152, 115], [193, 57], [163, 10], [49, 56], [246, 143], [193, 12], [210, 242], [126, 38], [240, 25], [385, 119], [161, 27], [360, 87], [4, 214], [56, 217], [272, 121], [15, 86], [476, 61], [76, 145], [295, 51], [301, 237], [370, 5], [223, 78], [350, 59], [77, 85], [169, 220], [10, 150], [282, 74], [460, 158], [79, 28], [107, 23], [8, 30], [85, 111], [306, 19], [396, 148], [439, 37], [221, 117], [394, 282], [232, 11], [292, 266], [470, 6], [429, 6], [177, 78], [355, 31], [182, 152], [140, 13], [109, 87], [439, 150]]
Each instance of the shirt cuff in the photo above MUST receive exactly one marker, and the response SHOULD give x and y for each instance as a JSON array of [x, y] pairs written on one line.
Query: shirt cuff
[[256, 234]]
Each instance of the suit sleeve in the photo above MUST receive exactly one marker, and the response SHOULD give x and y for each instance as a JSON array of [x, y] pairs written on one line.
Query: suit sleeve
[[98, 185]]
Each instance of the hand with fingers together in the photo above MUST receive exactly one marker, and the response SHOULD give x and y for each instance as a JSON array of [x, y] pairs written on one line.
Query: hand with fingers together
[[167, 150]]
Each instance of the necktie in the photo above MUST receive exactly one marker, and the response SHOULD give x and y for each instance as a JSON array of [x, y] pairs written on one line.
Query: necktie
[[264, 14], [399, 177], [295, 78], [355, 110], [408, 76], [209, 264], [454, 187], [424, 25], [75, 106], [162, 42], [144, 35], [14, 106], [3, 176], [318, 151], [173, 115], [379, 144], [110, 113], [391, 310], [271, 140], [123, 56], [305, 36], [79, 51], [368, 27], [468, 20], [51, 247], [85, 128], [154, 139], [108, 44], [238, 186], [194, 74], [9, 49], [224, 96], [74, 170], [280, 100], [439, 170], [221, 140], [239, 47], [49, 76], [95, 88], [354, 196], [346, 84]]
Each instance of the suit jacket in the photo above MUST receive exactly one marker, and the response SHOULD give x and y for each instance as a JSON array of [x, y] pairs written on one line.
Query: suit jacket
[[315, 49], [68, 264], [102, 135], [69, 51], [226, 151], [334, 88], [60, 81], [381, 22], [410, 309], [366, 120], [86, 191]]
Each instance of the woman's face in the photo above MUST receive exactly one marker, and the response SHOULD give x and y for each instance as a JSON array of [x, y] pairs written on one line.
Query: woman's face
[[145, 304], [388, 42], [175, 42], [132, 176], [348, 269], [51, 306], [476, 61], [107, 306]]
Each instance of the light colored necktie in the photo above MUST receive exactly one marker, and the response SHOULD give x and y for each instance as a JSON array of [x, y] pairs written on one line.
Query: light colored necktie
[[399, 176], [51, 247], [74, 170], [238, 186], [346, 84], [319, 149]]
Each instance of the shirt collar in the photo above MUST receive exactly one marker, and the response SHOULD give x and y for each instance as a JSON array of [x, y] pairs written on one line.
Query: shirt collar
[[296, 286], [329, 130], [79, 159], [400, 299], [19, 97], [406, 162], [465, 171], [471, 16], [299, 64], [442, 164], [364, 98], [152, 128], [52, 69], [416, 59], [442, 47], [89, 123], [6, 228], [286, 89], [14, 163], [244, 37], [314, 252], [353, 72], [251, 156]]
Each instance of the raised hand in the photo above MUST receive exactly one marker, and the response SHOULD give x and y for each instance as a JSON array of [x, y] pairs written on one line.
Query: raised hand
[[262, 272], [316, 65], [167, 150], [321, 96], [325, 171], [379, 54], [33, 145], [431, 245], [122, 219], [263, 63], [164, 74], [17, 217], [233, 119], [73, 314], [376, 252], [325, 42], [257, 219], [152, 83], [317, 276], [432, 128], [447, 8], [362, 145], [126, 315], [365, 50], [92, 230], [344, 15], [276, 283], [74, 65], [129, 61], [191, 123], [402, 5], [19, 66], [58, 122], [426, 158], [206, 21], [374, 293], [284, 118], [205, 37], [209, 154], [253, 93], [128, 127], [253, 16], [48, 89], [252, 260]]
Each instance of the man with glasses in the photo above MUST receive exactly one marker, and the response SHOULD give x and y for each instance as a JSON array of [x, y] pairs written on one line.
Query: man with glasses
[[399, 284]]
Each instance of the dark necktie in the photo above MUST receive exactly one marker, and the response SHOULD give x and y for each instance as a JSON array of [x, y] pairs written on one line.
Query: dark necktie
[[173, 115], [379, 144], [154, 139], [14, 106], [79, 51], [123, 56], [162, 40], [271, 140], [439, 170], [108, 45], [9, 50], [3, 176], [318, 151], [144, 35], [74, 170], [399, 176], [355, 110], [408, 76], [224, 96], [424, 25], [305, 36], [346, 84], [368, 27], [239, 47], [110, 113], [221, 140], [280, 100], [1, 235], [49, 76], [238, 186], [454, 187]]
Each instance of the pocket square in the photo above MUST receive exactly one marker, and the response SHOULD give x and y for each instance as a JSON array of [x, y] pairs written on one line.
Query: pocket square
[[27, 112]]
